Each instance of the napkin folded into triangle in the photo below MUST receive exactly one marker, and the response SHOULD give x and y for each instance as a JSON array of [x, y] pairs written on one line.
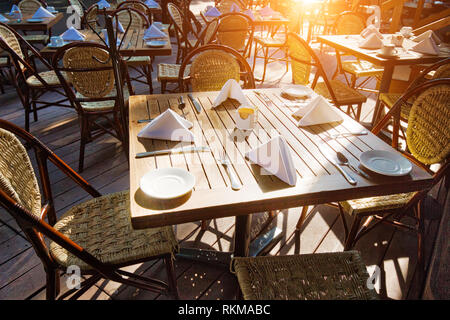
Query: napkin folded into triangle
[[266, 12], [103, 4], [371, 29], [168, 126], [73, 34], [213, 12], [231, 89], [118, 26], [235, 8], [151, 3], [14, 8], [371, 42], [427, 34], [249, 13], [318, 111], [42, 13], [427, 46], [275, 157], [3, 18], [153, 32]]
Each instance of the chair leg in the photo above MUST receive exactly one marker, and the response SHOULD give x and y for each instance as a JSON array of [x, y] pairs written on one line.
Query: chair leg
[[148, 74], [358, 111], [266, 58], [353, 231], [204, 225], [420, 242], [172, 280], [53, 285], [163, 86], [302, 218], [84, 139]]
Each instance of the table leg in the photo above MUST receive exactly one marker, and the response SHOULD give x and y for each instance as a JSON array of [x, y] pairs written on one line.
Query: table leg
[[384, 87], [242, 235]]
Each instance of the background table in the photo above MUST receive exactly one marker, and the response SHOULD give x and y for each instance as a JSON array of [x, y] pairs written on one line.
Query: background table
[[45, 26], [349, 44], [318, 180]]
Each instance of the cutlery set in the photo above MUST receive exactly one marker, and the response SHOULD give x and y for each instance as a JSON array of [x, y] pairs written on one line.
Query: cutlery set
[[181, 106]]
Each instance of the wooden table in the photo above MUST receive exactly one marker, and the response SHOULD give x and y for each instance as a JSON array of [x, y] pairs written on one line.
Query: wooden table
[[349, 44], [258, 21], [45, 26], [151, 10], [318, 180], [133, 45]]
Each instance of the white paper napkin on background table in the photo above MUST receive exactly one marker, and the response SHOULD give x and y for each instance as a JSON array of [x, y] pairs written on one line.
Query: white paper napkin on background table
[[275, 157], [371, 42], [371, 29], [427, 46], [103, 4], [249, 13], [13, 9], [168, 126], [73, 34], [427, 34], [212, 12], [120, 28], [151, 3], [153, 32], [3, 18], [231, 89], [42, 13], [318, 111], [266, 11], [235, 8]]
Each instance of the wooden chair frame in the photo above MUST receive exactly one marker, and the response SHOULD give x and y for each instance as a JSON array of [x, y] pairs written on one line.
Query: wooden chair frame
[[87, 21], [36, 228]]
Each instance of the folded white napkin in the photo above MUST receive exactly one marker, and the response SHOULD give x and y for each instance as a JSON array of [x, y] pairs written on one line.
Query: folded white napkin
[[168, 126], [151, 3], [42, 13], [14, 8], [427, 34], [371, 29], [231, 89], [427, 46], [120, 28], [266, 12], [235, 8], [249, 13], [371, 42], [275, 157], [318, 111], [153, 32], [212, 12], [3, 18], [73, 34], [103, 4]]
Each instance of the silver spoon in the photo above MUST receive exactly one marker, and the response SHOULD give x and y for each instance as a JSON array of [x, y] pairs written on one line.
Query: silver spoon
[[343, 160]]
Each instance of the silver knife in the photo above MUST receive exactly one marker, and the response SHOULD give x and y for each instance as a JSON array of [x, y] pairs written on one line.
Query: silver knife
[[171, 151], [330, 158], [197, 105]]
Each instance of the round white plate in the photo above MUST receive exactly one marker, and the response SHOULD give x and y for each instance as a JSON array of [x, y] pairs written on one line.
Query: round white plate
[[386, 163], [156, 43], [167, 183], [297, 91]]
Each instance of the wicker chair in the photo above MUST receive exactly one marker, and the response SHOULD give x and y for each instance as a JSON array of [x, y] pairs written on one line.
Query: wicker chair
[[138, 5], [213, 65], [428, 142], [438, 70], [224, 6], [89, 20], [236, 31], [30, 84], [169, 73], [352, 23], [91, 89], [184, 44], [30, 7], [96, 235], [5, 65], [302, 59], [320, 276]]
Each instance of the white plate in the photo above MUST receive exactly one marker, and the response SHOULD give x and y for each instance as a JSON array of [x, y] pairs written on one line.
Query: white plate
[[167, 183], [297, 91], [387, 163], [156, 43]]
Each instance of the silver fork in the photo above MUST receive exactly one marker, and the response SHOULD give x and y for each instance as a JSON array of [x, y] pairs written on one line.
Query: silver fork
[[235, 184], [266, 99]]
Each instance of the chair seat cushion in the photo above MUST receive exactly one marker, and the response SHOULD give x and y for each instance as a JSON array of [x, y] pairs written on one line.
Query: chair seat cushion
[[138, 61], [37, 38], [270, 42], [169, 72], [102, 227], [319, 276], [344, 94], [361, 68], [106, 105], [376, 204], [389, 99], [49, 76]]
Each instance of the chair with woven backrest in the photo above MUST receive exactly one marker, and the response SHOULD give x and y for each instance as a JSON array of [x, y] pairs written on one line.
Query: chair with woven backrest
[[90, 18], [319, 276], [348, 23], [213, 65], [30, 84], [29, 7], [184, 44], [91, 89], [428, 142], [236, 31], [138, 5], [303, 59], [438, 70], [224, 6], [169, 73], [95, 236]]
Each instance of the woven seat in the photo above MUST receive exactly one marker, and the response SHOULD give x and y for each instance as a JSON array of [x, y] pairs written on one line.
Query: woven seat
[[49, 76], [361, 68], [388, 99], [275, 42], [102, 226], [37, 38], [108, 105], [321, 276], [344, 94], [138, 61], [169, 72], [371, 204]]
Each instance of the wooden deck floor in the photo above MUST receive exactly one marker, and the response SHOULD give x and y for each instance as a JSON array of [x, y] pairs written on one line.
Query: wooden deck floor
[[22, 275]]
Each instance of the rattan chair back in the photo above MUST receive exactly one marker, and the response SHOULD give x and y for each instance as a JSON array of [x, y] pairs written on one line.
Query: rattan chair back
[[10, 38], [90, 17], [140, 6], [209, 33], [224, 6], [213, 65], [349, 23], [131, 18], [176, 17], [29, 6], [235, 31]]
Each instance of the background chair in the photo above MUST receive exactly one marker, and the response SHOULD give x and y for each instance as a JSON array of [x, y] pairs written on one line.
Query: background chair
[[236, 31], [319, 276], [303, 59], [89, 20], [213, 65], [96, 235], [30, 7]]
